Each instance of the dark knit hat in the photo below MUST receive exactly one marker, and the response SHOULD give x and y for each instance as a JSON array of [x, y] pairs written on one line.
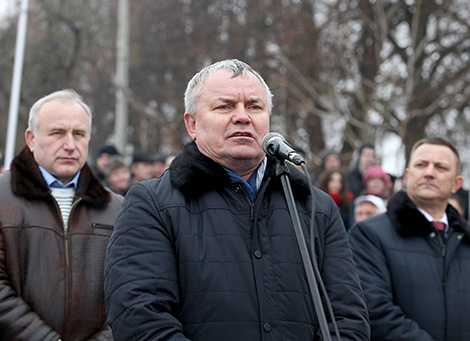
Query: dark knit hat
[[108, 149], [142, 157]]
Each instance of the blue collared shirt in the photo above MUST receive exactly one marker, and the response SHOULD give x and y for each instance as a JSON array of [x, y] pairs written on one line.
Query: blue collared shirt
[[52, 182], [254, 181]]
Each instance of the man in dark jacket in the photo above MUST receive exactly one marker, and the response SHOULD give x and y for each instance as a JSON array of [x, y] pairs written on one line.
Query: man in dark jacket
[[207, 251], [414, 260], [55, 221]]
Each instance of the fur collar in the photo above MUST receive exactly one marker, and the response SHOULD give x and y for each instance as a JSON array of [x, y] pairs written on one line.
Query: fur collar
[[410, 222], [27, 181], [194, 173]]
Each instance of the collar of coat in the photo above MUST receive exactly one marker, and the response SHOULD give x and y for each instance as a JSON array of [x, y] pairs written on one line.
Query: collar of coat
[[27, 181], [194, 173], [410, 222]]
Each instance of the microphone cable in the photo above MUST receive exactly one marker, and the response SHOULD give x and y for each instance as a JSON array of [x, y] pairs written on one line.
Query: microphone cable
[[313, 256]]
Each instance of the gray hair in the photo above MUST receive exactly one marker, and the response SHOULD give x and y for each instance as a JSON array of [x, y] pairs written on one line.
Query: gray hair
[[63, 95], [236, 66]]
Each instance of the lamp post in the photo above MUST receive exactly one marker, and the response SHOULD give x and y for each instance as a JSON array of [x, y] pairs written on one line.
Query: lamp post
[[16, 84]]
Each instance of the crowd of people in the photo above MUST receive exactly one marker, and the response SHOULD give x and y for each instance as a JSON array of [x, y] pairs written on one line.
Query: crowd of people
[[204, 248], [366, 185], [112, 168]]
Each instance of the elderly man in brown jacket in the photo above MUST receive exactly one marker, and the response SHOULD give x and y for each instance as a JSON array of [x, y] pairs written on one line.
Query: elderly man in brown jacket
[[55, 221]]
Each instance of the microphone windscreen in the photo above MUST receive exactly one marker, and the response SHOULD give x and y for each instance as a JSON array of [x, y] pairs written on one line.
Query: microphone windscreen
[[267, 139]]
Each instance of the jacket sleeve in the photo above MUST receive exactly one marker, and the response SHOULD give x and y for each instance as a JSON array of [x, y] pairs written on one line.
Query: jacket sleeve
[[17, 321], [388, 322], [340, 277], [140, 283], [104, 334]]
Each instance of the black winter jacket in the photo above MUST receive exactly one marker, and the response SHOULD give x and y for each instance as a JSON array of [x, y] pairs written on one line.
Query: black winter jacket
[[355, 181], [416, 286], [192, 258]]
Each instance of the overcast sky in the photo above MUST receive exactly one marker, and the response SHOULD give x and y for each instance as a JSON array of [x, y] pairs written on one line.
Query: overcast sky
[[6, 6]]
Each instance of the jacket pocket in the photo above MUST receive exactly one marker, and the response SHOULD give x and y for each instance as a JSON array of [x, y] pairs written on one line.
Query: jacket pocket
[[102, 228]]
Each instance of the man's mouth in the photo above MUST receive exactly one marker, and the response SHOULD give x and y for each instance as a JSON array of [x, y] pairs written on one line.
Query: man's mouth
[[241, 135], [427, 184]]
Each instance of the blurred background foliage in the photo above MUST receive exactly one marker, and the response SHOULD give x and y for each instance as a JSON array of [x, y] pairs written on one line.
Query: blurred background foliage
[[342, 71]]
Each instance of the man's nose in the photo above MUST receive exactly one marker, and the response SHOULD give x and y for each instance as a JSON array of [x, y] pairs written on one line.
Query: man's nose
[[69, 142], [240, 115], [430, 170]]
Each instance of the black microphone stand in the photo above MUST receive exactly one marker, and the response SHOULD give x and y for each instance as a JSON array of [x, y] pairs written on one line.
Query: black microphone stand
[[282, 171]]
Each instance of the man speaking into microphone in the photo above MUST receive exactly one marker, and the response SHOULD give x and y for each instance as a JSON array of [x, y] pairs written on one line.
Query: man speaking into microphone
[[208, 251]]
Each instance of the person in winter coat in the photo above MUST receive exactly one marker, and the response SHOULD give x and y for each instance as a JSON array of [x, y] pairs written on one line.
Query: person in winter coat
[[377, 183], [208, 252], [329, 160], [365, 160], [414, 260], [117, 175], [366, 206], [55, 221], [334, 183]]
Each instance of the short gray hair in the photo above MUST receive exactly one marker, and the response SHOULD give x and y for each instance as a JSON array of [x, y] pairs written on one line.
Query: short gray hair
[[65, 95], [236, 66], [438, 141]]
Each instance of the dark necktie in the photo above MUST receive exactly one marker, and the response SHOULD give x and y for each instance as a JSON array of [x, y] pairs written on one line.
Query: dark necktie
[[439, 225]]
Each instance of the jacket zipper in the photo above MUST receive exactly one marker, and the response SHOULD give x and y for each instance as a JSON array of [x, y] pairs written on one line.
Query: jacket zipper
[[261, 191], [67, 262], [67, 256], [240, 188], [444, 276], [442, 243]]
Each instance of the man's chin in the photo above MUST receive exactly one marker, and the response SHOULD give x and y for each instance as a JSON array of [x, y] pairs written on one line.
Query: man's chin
[[66, 172], [247, 157], [428, 197], [246, 152]]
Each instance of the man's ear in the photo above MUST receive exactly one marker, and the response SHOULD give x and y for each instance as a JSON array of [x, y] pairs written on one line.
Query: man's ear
[[29, 137], [405, 177], [190, 122], [458, 183]]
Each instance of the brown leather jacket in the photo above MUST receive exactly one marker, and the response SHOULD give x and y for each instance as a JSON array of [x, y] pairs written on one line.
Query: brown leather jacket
[[51, 281]]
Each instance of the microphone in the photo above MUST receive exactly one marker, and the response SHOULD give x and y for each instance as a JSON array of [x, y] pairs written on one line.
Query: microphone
[[276, 145]]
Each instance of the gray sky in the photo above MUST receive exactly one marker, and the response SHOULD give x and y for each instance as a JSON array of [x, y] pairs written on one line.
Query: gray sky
[[6, 6]]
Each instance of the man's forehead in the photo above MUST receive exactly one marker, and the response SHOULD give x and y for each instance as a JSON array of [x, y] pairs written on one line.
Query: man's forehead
[[65, 120], [57, 102], [229, 79], [433, 153]]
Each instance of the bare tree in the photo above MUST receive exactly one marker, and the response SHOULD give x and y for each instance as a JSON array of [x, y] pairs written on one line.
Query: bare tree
[[390, 67], [342, 71]]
